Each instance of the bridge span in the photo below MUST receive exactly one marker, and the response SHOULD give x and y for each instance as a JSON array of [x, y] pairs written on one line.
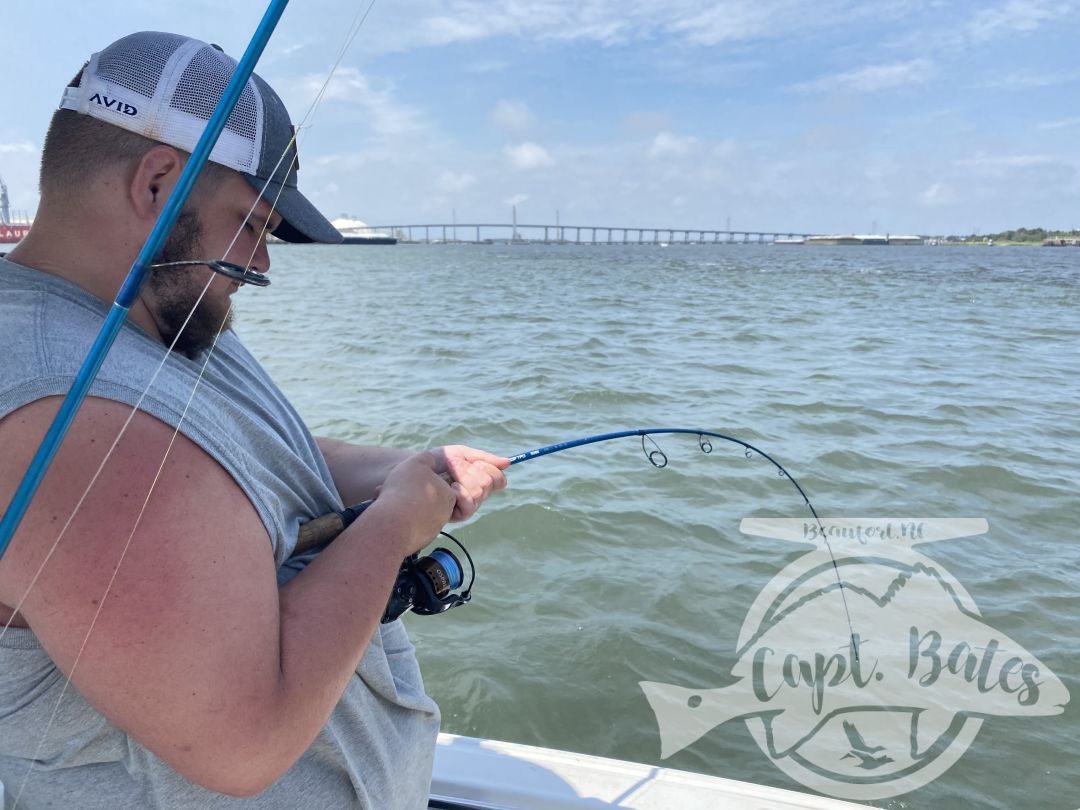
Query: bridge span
[[483, 233]]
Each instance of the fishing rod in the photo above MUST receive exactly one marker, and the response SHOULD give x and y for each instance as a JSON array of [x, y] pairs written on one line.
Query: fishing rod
[[425, 583], [323, 529], [137, 275]]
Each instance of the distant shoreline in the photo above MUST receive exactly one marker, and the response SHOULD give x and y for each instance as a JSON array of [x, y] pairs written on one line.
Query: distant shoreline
[[996, 243]]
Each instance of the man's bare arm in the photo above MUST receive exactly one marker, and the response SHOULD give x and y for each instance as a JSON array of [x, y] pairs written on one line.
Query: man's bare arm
[[359, 470], [196, 652]]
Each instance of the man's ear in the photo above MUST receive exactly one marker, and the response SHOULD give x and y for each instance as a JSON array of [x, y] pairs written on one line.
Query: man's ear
[[155, 177]]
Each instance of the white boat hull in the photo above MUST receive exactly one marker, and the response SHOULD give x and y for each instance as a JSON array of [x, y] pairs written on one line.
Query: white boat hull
[[473, 774]]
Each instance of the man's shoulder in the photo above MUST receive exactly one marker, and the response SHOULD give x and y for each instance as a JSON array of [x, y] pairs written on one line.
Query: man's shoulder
[[23, 304], [34, 299], [46, 327]]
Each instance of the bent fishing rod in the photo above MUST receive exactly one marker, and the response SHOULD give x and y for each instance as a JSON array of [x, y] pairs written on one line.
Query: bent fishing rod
[[323, 529], [434, 579]]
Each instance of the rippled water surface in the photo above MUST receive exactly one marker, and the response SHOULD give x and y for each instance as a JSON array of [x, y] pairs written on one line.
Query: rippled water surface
[[937, 382]]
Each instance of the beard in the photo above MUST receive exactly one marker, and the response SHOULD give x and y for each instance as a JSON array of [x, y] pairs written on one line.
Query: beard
[[173, 292]]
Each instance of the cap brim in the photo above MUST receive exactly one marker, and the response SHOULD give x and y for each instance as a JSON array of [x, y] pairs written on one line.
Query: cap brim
[[300, 220]]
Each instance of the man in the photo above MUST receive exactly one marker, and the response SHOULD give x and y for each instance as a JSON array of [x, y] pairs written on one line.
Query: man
[[200, 670]]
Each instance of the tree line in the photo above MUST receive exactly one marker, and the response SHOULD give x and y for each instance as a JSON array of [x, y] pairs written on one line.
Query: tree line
[[1017, 235]]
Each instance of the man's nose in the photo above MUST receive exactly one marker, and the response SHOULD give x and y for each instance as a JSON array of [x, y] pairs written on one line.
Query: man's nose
[[260, 261]]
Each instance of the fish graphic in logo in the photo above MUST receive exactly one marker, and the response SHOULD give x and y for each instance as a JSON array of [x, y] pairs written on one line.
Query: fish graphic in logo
[[903, 710]]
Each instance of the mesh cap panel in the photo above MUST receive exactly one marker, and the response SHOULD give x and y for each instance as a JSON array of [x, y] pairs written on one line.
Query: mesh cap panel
[[203, 83], [142, 73]]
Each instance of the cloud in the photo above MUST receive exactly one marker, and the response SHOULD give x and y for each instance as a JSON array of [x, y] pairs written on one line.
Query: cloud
[[384, 115], [522, 24], [1006, 19], [452, 182], [737, 20], [724, 149], [983, 161], [647, 122], [665, 144], [513, 116], [439, 30], [341, 161], [615, 22], [487, 66], [296, 47], [938, 194], [1025, 80], [517, 199], [872, 78], [528, 155], [953, 30], [18, 148], [1060, 124], [591, 20]]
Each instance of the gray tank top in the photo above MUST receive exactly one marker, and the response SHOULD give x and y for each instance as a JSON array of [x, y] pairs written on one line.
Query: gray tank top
[[377, 748]]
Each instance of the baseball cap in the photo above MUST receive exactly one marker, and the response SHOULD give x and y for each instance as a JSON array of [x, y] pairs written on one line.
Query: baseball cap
[[165, 87]]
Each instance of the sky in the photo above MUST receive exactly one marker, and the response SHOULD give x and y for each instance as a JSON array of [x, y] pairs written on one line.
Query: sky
[[906, 116]]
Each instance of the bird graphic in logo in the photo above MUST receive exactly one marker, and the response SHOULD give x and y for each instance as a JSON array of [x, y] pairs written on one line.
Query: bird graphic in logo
[[863, 752], [918, 676]]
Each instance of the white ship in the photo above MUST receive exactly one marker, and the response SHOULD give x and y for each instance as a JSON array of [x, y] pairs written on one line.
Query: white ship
[[358, 232]]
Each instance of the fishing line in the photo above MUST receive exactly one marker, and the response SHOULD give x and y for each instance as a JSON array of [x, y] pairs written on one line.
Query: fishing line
[[659, 459], [101, 466], [231, 270], [129, 291], [305, 125], [321, 530], [115, 572], [49, 445]]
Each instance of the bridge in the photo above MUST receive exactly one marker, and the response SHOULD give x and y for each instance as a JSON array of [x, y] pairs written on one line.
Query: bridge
[[512, 233]]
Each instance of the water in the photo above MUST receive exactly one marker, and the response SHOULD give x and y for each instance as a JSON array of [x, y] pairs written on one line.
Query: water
[[939, 382]]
